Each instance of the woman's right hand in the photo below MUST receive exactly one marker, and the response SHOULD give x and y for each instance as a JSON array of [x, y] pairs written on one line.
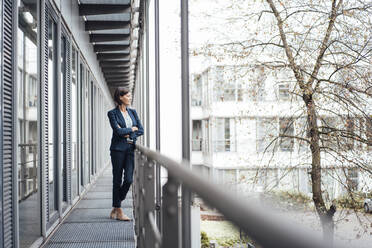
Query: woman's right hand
[[134, 129]]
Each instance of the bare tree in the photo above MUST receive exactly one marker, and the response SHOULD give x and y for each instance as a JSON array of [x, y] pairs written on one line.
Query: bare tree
[[326, 47]]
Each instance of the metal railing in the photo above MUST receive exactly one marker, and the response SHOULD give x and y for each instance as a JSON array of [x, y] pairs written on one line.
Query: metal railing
[[259, 224], [27, 170]]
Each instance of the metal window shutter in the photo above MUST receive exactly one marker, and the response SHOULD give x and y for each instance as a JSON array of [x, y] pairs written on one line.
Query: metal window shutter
[[7, 131], [67, 104], [44, 111]]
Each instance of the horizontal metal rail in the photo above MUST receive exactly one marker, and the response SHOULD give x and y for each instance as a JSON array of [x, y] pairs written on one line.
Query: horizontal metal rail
[[259, 224]]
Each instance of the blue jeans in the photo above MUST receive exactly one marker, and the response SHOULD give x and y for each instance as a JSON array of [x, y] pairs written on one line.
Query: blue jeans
[[121, 161]]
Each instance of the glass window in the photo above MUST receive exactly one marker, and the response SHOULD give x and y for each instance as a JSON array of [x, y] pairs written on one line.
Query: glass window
[[224, 88], [86, 129], [369, 132], [360, 133], [27, 132], [303, 132], [266, 134], [52, 135], [196, 89], [286, 131], [329, 132], [205, 141], [349, 134], [223, 138], [196, 135], [284, 92], [352, 179], [81, 87]]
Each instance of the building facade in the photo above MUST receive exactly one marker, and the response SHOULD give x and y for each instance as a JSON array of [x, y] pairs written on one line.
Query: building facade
[[54, 130], [249, 130]]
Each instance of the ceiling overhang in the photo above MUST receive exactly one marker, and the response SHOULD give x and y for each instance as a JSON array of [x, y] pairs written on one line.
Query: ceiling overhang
[[113, 27]]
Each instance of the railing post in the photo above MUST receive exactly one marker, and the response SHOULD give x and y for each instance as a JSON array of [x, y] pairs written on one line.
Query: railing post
[[149, 200], [34, 172], [170, 214], [141, 201], [23, 173], [136, 194]]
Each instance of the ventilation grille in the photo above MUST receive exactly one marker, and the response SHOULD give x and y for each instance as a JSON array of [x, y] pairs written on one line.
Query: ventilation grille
[[7, 135]]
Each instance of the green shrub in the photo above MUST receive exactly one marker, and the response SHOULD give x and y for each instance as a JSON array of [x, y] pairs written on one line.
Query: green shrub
[[204, 239], [354, 200]]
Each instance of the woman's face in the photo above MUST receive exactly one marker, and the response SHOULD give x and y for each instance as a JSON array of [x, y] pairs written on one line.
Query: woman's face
[[126, 99]]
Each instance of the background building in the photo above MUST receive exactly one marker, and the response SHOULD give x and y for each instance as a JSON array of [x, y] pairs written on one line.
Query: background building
[[247, 123]]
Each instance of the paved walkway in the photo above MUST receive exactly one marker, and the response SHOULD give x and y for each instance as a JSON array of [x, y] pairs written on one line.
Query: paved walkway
[[89, 225]]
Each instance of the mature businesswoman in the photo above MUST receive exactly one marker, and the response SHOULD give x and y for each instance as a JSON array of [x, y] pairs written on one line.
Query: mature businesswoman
[[126, 128]]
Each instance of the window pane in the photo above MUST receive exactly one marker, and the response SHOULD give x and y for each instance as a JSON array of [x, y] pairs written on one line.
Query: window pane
[[74, 128], [52, 34], [286, 129], [349, 140], [266, 134], [27, 132], [329, 129], [284, 92], [196, 135], [369, 132], [352, 179]]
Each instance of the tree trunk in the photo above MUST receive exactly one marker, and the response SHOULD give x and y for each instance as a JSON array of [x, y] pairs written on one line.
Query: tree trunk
[[326, 216]]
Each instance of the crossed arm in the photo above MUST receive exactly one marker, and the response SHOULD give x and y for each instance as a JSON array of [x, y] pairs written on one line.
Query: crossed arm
[[115, 126], [133, 132]]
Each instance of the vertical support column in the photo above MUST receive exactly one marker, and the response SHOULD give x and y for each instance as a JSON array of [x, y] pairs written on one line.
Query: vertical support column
[[135, 195], [147, 72], [57, 120], [157, 114], [186, 194], [141, 196], [170, 214], [149, 202]]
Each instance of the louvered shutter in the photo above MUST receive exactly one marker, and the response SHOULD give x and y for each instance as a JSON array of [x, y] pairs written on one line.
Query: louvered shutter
[[67, 104], [7, 136], [44, 113]]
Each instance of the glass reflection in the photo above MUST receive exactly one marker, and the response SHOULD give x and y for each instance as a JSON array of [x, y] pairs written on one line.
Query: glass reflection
[[52, 33], [27, 132]]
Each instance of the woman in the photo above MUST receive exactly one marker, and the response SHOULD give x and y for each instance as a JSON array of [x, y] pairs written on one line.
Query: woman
[[126, 128]]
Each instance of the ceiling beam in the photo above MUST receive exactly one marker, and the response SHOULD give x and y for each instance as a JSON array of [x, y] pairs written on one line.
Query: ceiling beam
[[126, 83], [115, 75], [102, 25], [118, 68], [113, 56], [108, 37], [102, 9], [108, 48], [115, 70], [117, 80], [114, 64]]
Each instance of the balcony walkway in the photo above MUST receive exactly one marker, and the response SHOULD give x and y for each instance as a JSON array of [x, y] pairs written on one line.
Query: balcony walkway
[[88, 225]]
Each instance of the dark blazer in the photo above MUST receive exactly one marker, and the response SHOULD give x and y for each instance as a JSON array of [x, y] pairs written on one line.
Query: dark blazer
[[118, 141]]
